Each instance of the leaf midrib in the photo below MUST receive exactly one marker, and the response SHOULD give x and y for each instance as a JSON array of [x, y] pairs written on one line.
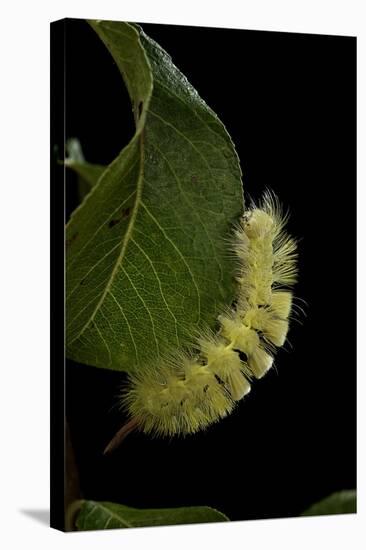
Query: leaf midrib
[[112, 515], [125, 240]]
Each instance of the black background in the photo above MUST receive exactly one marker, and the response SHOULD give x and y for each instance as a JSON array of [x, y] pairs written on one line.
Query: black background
[[288, 101]]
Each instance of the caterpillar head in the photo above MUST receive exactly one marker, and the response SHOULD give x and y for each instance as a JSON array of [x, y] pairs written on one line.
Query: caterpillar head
[[257, 223]]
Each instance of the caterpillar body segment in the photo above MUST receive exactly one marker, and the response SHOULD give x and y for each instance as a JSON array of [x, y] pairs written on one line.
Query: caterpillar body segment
[[186, 394], [179, 403]]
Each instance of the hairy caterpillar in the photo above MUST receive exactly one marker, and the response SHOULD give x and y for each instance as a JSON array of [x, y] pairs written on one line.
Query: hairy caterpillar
[[190, 391]]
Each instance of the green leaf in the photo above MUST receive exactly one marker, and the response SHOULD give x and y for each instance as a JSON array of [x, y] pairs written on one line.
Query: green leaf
[[88, 173], [146, 258], [343, 502], [107, 515]]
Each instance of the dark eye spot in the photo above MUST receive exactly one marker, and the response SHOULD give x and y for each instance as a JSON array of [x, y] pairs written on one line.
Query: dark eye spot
[[243, 356], [205, 388], [219, 380]]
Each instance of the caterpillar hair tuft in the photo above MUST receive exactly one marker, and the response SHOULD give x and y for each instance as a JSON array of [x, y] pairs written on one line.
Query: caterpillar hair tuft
[[187, 392]]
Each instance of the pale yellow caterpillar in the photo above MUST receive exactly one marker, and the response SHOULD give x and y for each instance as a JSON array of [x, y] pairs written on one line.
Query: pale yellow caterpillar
[[189, 391]]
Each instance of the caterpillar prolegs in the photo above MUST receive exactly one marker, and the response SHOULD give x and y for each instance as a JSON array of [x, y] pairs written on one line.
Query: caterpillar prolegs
[[190, 391]]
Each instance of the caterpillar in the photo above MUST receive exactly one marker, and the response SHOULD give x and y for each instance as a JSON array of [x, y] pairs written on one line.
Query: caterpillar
[[190, 390]]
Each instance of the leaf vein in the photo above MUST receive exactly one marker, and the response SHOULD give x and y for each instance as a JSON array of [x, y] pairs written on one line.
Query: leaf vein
[[180, 255], [127, 323], [160, 287], [145, 306], [124, 241], [72, 261], [105, 343], [92, 268]]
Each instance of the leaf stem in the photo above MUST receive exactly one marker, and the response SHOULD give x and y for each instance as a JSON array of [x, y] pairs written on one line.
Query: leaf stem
[[122, 433]]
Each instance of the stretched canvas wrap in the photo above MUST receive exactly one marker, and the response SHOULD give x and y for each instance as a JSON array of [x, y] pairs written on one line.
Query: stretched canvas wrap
[[203, 230]]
